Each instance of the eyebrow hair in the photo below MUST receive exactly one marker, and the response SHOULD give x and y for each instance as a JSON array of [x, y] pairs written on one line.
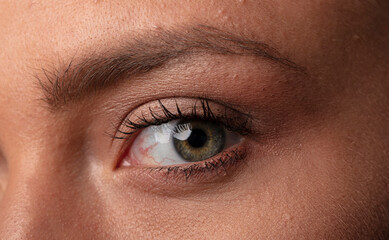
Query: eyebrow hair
[[143, 54]]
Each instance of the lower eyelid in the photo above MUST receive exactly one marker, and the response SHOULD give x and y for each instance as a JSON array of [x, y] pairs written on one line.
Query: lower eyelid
[[185, 178]]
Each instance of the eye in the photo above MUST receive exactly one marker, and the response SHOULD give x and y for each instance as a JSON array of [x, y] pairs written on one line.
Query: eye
[[179, 142]]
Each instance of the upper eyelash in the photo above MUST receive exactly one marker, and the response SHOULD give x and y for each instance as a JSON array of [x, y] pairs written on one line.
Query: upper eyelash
[[207, 114], [181, 128]]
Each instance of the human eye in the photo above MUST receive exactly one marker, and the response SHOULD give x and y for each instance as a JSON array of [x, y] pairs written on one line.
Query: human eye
[[183, 139]]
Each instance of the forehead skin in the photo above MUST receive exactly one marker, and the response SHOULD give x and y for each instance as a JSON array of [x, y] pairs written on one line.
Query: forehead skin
[[343, 194]]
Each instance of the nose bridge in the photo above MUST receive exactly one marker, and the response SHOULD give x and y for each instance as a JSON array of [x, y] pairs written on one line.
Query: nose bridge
[[25, 207], [47, 199], [40, 199]]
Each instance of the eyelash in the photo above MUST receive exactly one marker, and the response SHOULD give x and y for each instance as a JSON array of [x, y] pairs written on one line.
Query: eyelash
[[228, 122], [204, 169], [221, 163]]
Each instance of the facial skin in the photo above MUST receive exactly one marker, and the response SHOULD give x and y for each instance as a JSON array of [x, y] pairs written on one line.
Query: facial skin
[[315, 165]]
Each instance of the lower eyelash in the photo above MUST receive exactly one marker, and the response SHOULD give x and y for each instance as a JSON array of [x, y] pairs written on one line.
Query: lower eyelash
[[205, 170]]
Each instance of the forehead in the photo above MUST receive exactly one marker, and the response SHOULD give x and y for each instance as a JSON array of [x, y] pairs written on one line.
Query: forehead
[[45, 28], [40, 33]]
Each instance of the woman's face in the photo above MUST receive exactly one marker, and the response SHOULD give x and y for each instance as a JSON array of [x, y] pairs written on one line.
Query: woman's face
[[194, 119]]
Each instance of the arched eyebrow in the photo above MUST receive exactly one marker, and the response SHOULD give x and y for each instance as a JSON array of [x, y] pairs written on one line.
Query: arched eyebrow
[[74, 81]]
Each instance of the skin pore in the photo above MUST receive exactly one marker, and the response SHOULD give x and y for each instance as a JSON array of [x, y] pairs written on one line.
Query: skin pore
[[310, 78]]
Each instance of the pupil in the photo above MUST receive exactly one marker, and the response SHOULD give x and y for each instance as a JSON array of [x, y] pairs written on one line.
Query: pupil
[[197, 138]]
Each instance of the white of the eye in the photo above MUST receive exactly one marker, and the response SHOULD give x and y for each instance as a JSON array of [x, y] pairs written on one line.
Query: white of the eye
[[163, 133], [155, 146]]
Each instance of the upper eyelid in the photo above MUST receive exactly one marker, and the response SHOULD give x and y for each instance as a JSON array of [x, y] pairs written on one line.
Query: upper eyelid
[[199, 108], [168, 115]]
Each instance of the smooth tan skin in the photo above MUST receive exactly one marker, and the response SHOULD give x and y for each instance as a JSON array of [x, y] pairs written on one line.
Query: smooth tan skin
[[322, 175]]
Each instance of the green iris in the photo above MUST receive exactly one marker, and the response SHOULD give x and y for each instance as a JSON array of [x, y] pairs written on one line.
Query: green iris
[[199, 140]]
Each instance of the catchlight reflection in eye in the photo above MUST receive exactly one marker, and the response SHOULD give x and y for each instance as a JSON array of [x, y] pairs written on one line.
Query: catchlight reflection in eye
[[179, 142]]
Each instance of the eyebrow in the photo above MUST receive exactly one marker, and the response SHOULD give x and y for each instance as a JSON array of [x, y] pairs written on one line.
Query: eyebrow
[[74, 81]]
